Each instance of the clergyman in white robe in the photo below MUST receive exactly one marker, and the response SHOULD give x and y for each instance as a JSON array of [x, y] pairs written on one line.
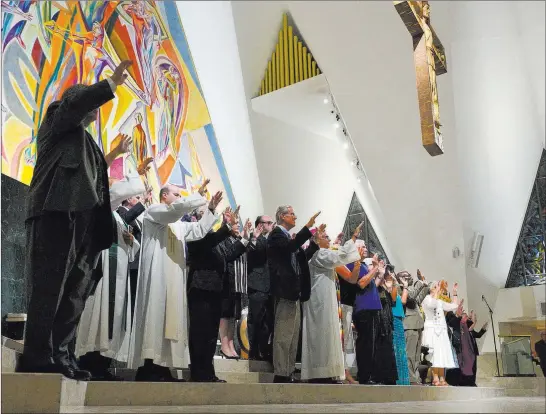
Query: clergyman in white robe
[[160, 328], [100, 329], [322, 352]]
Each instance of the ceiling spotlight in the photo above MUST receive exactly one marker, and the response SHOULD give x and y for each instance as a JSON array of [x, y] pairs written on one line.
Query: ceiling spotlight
[[326, 101], [346, 145], [336, 125]]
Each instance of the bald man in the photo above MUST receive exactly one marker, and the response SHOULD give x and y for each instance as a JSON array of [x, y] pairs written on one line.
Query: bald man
[[159, 339]]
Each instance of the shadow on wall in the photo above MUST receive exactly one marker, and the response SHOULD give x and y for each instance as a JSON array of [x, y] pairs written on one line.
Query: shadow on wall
[[14, 286]]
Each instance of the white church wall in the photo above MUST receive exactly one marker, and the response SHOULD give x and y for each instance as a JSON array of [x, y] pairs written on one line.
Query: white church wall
[[328, 186], [211, 36], [500, 133]]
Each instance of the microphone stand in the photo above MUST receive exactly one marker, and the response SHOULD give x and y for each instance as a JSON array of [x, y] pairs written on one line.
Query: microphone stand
[[494, 336]]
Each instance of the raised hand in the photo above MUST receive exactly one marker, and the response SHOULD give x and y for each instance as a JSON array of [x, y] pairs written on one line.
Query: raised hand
[[246, 229], [144, 166], [485, 326], [375, 260], [420, 276], [339, 238], [148, 196], [357, 231], [259, 230], [119, 75], [404, 282], [215, 200], [236, 212], [455, 287], [228, 216], [124, 144], [361, 252], [203, 189], [311, 221]]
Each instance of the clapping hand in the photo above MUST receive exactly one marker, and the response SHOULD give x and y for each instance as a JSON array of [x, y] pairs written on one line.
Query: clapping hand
[[311, 221], [229, 217], [203, 189]]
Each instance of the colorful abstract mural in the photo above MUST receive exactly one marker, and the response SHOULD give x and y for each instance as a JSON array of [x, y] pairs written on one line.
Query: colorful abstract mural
[[49, 45]]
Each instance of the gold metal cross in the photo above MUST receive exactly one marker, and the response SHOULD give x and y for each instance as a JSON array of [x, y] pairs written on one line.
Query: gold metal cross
[[430, 61]]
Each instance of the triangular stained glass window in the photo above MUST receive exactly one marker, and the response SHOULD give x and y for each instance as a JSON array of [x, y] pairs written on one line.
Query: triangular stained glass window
[[529, 264], [355, 216]]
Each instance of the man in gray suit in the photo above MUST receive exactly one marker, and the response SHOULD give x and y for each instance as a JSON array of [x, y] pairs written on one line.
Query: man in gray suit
[[413, 322], [69, 222]]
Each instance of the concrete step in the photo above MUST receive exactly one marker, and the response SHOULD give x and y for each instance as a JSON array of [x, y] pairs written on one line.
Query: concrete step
[[177, 394], [51, 392], [485, 405], [40, 393], [517, 386], [232, 377]]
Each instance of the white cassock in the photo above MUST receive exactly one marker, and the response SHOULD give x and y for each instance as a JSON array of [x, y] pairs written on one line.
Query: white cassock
[[322, 352], [160, 329], [105, 324]]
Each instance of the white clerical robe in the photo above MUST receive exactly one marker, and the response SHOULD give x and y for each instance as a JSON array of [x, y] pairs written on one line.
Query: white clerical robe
[[322, 352], [93, 330], [160, 330]]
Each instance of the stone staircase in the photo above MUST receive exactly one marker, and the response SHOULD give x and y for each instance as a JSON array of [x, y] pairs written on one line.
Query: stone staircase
[[249, 384]]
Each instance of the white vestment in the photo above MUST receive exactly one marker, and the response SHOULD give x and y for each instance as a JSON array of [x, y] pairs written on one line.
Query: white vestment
[[435, 335], [322, 352], [160, 329], [93, 330]]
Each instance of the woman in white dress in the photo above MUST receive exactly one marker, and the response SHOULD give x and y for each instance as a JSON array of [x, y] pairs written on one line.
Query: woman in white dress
[[322, 353], [435, 334]]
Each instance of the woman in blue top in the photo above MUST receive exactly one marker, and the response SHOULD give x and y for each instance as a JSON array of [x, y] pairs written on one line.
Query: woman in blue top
[[369, 324], [399, 340]]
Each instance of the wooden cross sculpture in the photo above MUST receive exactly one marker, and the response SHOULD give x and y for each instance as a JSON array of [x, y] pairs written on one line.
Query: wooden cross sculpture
[[430, 61]]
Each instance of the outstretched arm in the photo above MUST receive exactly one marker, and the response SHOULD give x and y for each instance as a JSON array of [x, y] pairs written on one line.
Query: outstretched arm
[[165, 214]]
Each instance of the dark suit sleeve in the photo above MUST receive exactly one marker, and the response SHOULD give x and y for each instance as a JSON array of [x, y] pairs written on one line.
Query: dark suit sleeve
[[278, 240], [479, 334], [210, 241], [234, 251], [129, 216], [73, 110], [311, 250]]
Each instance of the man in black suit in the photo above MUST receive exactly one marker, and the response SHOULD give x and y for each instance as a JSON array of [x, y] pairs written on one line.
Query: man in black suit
[[260, 303], [208, 260], [69, 223], [290, 285]]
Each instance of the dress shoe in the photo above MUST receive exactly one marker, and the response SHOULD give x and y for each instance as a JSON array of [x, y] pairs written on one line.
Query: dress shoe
[[65, 370], [279, 379], [213, 379], [223, 355]]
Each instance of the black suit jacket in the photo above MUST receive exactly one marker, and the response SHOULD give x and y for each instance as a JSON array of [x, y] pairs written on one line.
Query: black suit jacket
[[285, 282], [208, 260], [68, 158], [258, 270], [129, 216]]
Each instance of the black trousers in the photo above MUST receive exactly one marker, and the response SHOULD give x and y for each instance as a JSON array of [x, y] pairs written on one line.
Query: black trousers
[[59, 271], [261, 320], [133, 280], [367, 325], [205, 310]]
